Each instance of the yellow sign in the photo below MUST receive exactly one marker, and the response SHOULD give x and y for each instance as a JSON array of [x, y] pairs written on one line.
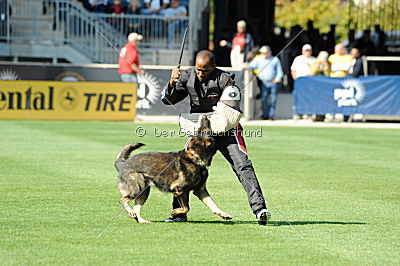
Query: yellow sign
[[56, 100]]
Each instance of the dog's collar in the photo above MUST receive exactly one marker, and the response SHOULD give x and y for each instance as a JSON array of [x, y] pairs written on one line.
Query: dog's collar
[[198, 160]]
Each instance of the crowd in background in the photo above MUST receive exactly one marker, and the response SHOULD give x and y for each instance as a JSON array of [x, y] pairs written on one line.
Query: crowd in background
[[137, 7], [320, 53], [307, 53], [165, 16]]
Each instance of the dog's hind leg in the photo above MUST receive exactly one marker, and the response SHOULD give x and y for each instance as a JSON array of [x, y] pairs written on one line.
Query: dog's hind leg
[[131, 186], [139, 201]]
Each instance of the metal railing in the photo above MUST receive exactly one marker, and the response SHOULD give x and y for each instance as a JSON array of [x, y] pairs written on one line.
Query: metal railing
[[5, 12], [157, 31], [378, 59], [95, 35]]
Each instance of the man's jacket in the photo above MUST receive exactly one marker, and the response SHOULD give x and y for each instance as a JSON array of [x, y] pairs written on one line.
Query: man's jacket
[[203, 96]]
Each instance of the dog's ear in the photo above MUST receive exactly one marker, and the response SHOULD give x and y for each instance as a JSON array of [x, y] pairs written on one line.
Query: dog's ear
[[205, 123]]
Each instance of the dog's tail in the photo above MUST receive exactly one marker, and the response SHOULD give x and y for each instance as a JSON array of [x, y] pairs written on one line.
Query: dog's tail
[[123, 155]]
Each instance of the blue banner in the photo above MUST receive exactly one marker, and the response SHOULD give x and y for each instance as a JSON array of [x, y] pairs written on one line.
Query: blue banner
[[375, 95]]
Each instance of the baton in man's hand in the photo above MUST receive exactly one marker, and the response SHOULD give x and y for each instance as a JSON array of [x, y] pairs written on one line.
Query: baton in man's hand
[[182, 48]]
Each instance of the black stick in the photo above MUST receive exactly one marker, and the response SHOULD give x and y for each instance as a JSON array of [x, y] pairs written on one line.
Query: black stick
[[182, 47]]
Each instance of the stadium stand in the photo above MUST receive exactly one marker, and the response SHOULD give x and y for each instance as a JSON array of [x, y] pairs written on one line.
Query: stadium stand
[[66, 31]]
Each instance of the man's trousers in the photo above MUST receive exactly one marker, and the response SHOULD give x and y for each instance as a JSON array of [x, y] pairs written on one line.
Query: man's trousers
[[233, 148]]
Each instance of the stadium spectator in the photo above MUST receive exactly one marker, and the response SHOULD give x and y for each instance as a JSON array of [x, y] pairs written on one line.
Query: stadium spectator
[[302, 64], [99, 6], [129, 59], [331, 38], [270, 73], [86, 4], [172, 13], [241, 45], [134, 7], [117, 8], [297, 39], [378, 37], [321, 65], [279, 39], [357, 68], [365, 44], [154, 7], [340, 62], [312, 36], [351, 35], [176, 10]]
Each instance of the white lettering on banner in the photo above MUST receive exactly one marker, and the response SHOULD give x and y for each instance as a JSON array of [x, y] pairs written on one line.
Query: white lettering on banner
[[352, 94], [148, 92]]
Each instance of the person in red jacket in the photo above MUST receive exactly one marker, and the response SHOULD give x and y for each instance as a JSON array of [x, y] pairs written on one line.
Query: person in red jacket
[[129, 59]]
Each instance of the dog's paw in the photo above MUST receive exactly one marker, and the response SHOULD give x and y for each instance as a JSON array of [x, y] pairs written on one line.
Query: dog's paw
[[225, 216], [143, 221], [173, 213], [176, 212]]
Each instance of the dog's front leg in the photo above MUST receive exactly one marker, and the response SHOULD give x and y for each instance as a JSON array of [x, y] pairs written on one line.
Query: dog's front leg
[[203, 195], [125, 205], [182, 198]]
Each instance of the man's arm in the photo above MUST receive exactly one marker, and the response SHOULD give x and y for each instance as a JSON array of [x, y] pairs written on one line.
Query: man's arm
[[254, 63], [293, 72], [137, 68], [279, 72], [225, 43], [293, 68], [183, 11], [175, 91]]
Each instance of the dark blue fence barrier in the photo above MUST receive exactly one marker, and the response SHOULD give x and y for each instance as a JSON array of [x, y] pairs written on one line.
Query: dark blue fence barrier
[[377, 95]]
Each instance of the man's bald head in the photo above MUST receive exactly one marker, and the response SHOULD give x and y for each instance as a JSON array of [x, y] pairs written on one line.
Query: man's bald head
[[205, 55], [205, 65], [340, 49]]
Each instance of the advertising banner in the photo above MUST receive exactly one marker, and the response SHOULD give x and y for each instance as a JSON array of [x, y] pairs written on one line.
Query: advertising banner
[[149, 86], [56, 100], [374, 95]]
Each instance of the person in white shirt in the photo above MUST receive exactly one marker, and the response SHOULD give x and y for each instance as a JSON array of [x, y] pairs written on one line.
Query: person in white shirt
[[302, 64], [99, 6], [175, 24], [176, 10], [155, 7]]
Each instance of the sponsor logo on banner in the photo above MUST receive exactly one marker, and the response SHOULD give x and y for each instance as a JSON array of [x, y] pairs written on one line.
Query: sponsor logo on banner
[[69, 76], [148, 91], [67, 100], [351, 94], [8, 74]]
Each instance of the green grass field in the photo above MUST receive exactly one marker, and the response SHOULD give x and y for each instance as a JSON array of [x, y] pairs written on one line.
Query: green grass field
[[339, 187]]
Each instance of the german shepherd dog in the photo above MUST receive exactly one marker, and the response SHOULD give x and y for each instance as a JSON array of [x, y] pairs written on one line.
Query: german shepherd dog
[[178, 172]]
